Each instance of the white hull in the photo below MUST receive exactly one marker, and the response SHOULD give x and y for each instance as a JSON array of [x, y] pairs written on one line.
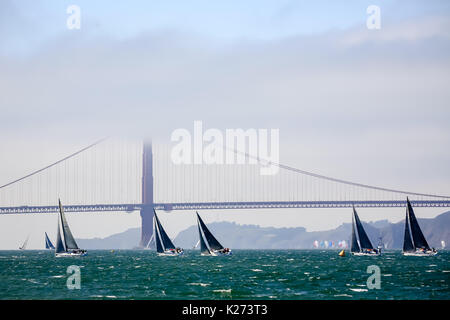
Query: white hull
[[420, 254], [70, 254], [217, 254], [365, 254], [170, 254]]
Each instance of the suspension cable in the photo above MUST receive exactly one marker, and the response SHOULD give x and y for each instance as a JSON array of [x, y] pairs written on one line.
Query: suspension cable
[[55, 163]]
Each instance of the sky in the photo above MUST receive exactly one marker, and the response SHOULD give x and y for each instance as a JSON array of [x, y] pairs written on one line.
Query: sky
[[369, 106]]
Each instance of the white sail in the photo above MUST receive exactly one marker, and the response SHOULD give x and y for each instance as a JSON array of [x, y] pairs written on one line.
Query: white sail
[[69, 240], [24, 246], [196, 245], [150, 243]]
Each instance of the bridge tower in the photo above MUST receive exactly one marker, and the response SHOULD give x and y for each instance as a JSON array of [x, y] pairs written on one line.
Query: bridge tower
[[147, 194]]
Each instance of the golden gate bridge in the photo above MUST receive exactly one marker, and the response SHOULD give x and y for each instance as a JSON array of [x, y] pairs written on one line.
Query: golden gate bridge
[[127, 176]]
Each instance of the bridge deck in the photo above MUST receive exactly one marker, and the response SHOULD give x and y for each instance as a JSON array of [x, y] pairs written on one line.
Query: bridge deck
[[224, 205]]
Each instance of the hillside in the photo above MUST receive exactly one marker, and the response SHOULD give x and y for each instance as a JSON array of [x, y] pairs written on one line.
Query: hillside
[[254, 237]]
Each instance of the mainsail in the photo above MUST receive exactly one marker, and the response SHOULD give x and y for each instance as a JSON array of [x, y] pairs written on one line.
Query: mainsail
[[354, 244], [203, 247], [159, 247], [418, 238], [408, 245], [48, 243], [363, 238], [59, 243], [210, 239], [358, 233], [69, 240], [161, 237]]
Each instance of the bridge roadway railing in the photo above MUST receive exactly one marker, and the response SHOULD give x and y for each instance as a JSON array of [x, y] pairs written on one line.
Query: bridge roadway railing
[[224, 205]]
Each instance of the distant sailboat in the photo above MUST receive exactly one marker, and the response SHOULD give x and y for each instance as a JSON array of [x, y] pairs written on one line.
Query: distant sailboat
[[209, 246], [48, 243], [164, 246], [24, 245], [361, 245], [414, 243], [380, 244], [66, 245], [443, 244]]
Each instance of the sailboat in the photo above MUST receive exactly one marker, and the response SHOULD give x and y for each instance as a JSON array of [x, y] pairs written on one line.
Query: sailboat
[[164, 246], [24, 245], [209, 246], [48, 243], [66, 245], [361, 245], [414, 243], [380, 244]]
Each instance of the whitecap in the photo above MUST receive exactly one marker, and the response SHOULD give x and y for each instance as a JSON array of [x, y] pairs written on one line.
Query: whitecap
[[60, 276], [111, 297], [359, 290], [199, 284], [223, 290], [343, 295], [256, 270]]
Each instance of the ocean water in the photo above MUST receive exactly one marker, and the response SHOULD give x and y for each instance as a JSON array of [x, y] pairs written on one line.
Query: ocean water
[[247, 274]]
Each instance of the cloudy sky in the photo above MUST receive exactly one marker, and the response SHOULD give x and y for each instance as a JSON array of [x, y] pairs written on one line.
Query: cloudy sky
[[369, 106]]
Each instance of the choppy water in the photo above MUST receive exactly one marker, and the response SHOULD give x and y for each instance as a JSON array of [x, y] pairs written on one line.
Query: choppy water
[[248, 274]]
